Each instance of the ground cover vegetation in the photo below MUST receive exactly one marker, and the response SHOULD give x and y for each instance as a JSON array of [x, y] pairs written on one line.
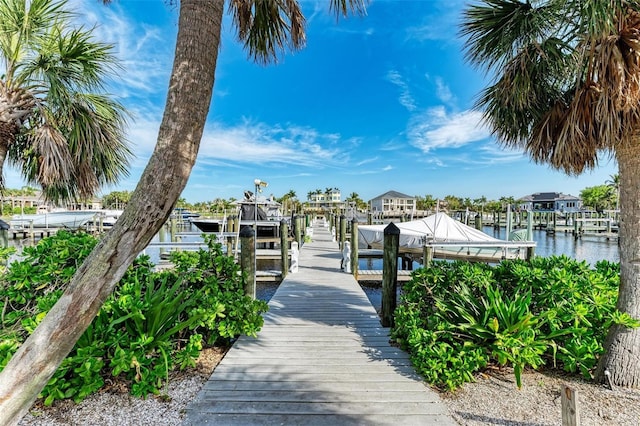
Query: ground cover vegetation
[[153, 323], [458, 318]]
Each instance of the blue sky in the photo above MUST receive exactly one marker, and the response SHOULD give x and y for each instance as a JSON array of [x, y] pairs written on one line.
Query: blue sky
[[372, 104]]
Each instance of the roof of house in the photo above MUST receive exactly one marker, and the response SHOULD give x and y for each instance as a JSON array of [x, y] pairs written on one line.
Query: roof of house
[[548, 196], [393, 194]]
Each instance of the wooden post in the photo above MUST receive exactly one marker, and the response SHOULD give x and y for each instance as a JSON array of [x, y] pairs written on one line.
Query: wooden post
[[302, 229], [427, 256], [478, 222], [509, 219], [370, 218], [555, 221], [354, 247], [390, 273], [230, 247], [248, 260], [569, 401], [297, 233], [343, 231], [284, 248], [162, 237]]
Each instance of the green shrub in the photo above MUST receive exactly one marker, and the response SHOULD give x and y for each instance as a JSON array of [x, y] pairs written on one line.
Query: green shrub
[[152, 323], [457, 317]]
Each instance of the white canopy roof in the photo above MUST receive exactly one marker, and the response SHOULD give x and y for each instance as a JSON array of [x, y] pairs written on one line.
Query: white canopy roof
[[435, 228]]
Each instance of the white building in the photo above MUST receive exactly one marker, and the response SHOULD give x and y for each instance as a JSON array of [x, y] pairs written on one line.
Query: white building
[[393, 202], [325, 199]]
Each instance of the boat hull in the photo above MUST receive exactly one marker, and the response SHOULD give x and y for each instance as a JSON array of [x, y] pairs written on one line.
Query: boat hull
[[71, 220]]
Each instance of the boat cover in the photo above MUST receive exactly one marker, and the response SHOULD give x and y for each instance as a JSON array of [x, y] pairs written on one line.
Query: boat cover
[[435, 228]]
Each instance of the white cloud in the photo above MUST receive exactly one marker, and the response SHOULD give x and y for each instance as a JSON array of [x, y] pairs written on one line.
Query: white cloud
[[436, 129], [441, 25], [406, 99], [443, 92], [387, 168], [366, 161], [145, 51], [259, 143]]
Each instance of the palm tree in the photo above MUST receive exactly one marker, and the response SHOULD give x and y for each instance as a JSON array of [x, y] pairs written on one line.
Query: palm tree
[[55, 126], [614, 183], [265, 30], [567, 87]]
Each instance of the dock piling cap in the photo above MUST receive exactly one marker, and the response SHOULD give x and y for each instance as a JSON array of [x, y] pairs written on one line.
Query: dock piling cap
[[247, 232], [391, 229]]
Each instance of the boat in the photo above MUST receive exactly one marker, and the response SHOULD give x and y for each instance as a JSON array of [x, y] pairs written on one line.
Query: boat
[[208, 225], [72, 219], [103, 219], [449, 239], [265, 212], [183, 214]]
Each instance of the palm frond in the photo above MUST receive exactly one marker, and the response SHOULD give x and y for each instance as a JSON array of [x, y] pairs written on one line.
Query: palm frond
[[267, 27], [53, 157], [497, 30], [22, 24], [344, 7]]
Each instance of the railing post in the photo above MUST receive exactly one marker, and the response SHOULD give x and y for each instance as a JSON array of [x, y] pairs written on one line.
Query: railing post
[[390, 273], [284, 248], [354, 247], [343, 231], [248, 260]]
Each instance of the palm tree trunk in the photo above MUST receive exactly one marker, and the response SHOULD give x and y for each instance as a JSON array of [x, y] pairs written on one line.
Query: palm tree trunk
[[188, 100], [622, 346]]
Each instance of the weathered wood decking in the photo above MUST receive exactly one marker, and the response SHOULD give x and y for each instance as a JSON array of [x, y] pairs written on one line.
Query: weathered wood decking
[[322, 358]]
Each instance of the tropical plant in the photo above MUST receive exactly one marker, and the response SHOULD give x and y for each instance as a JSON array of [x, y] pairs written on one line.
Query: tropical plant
[[116, 199], [265, 28], [567, 87], [63, 134], [614, 183], [455, 318], [598, 197], [152, 323]]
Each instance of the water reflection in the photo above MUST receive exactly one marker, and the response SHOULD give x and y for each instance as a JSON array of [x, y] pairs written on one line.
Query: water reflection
[[589, 248]]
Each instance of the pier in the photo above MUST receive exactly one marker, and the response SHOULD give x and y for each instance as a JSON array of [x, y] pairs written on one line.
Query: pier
[[322, 357]]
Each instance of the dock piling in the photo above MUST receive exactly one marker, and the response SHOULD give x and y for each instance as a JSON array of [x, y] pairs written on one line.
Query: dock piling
[[390, 273]]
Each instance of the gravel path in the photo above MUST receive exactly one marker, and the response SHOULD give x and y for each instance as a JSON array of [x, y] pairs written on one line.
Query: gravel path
[[492, 400]]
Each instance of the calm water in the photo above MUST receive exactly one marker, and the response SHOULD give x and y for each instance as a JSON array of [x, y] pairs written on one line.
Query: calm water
[[591, 249]]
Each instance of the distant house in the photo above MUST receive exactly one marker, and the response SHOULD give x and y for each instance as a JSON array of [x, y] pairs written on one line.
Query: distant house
[[550, 202], [326, 199], [393, 201]]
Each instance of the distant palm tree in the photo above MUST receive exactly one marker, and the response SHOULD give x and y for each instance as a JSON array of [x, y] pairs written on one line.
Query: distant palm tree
[[614, 183], [64, 135], [567, 87]]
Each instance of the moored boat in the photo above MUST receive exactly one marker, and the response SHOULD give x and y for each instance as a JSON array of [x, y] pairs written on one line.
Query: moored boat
[[72, 219]]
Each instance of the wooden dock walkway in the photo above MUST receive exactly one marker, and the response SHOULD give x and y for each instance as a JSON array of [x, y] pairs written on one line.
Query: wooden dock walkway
[[321, 358]]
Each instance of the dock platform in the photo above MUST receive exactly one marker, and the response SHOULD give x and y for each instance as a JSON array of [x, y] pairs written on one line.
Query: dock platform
[[321, 358]]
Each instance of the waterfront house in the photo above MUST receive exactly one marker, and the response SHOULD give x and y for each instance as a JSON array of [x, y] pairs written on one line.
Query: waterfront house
[[393, 202], [330, 199], [550, 202]]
